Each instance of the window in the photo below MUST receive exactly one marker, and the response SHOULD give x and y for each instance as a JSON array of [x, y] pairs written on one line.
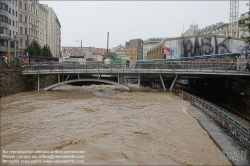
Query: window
[[16, 2], [25, 43], [20, 4], [16, 13], [25, 6], [21, 19], [4, 30], [4, 19], [13, 23], [21, 42], [25, 18], [36, 11], [10, 21], [25, 31], [10, 33], [12, 44], [13, 34], [21, 30], [3, 6], [9, 10], [13, 13]]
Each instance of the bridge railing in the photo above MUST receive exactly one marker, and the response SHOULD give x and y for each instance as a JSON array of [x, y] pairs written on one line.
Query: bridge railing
[[171, 65], [237, 126]]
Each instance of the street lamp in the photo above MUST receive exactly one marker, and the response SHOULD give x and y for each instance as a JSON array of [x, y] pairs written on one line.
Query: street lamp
[[107, 44], [28, 34], [80, 42]]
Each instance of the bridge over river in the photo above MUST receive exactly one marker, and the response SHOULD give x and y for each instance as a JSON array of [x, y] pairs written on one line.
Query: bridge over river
[[153, 68]]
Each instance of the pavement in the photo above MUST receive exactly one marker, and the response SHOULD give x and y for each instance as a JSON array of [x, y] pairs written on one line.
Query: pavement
[[230, 147]]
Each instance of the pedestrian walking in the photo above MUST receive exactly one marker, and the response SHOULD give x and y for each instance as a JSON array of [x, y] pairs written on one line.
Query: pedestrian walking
[[247, 66]]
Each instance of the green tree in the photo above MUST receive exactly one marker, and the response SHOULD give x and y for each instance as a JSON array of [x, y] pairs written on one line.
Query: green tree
[[34, 49], [46, 51]]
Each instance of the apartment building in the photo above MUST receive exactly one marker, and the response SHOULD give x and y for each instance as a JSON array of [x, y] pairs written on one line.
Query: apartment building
[[133, 49], [28, 23], [43, 26], [148, 44], [54, 32], [9, 28]]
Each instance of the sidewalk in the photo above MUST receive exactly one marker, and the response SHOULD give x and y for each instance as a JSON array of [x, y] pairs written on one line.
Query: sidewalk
[[230, 147]]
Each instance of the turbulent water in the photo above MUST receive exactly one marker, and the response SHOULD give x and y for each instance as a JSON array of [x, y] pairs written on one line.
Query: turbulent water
[[113, 126]]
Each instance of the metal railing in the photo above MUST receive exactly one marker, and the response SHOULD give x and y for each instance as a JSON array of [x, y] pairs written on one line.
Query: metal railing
[[237, 126], [175, 66]]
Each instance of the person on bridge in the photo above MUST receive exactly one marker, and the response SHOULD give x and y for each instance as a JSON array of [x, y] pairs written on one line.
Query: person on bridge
[[247, 66]]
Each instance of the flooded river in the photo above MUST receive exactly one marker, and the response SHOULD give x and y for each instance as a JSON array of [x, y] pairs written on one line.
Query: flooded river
[[111, 125]]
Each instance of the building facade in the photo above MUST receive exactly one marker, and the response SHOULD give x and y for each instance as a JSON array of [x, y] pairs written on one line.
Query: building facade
[[43, 26], [9, 29], [119, 50], [54, 32], [133, 49], [28, 23], [148, 44]]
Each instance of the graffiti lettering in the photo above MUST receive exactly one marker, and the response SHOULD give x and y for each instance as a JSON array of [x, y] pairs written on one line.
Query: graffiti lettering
[[239, 136], [235, 132], [203, 46], [234, 155]]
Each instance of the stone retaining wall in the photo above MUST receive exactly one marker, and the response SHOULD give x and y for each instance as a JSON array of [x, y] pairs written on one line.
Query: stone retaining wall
[[12, 81]]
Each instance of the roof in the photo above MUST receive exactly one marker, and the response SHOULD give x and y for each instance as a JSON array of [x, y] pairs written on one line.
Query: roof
[[193, 27], [133, 42]]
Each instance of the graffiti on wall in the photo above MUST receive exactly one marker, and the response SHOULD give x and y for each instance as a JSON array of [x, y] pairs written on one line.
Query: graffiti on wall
[[170, 52], [73, 51], [198, 46], [234, 131]]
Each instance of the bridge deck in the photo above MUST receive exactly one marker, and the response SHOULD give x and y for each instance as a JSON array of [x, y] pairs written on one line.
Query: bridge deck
[[139, 71]]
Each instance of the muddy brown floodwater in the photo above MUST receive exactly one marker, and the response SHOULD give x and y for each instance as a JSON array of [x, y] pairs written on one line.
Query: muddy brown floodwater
[[113, 126]]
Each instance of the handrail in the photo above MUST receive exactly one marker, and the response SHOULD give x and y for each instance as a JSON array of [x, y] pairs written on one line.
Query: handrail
[[241, 125]]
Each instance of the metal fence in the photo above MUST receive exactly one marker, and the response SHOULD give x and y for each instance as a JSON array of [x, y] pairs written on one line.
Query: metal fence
[[236, 125], [173, 66]]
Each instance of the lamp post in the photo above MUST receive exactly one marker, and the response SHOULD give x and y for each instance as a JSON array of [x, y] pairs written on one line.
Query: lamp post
[[80, 42], [107, 44], [28, 35]]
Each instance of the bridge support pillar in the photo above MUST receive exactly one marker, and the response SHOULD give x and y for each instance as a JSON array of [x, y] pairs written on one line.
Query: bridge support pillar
[[139, 81], [162, 82], [120, 79], [172, 85], [38, 81], [58, 77]]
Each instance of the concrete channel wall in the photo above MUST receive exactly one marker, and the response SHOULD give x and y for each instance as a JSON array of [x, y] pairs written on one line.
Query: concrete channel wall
[[237, 127]]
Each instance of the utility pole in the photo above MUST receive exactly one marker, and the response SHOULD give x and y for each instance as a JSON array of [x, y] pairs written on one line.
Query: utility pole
[[233, 18], [107, 45]]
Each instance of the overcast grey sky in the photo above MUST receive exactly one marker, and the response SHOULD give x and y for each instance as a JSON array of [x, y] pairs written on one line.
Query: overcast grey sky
[[125, 20]]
